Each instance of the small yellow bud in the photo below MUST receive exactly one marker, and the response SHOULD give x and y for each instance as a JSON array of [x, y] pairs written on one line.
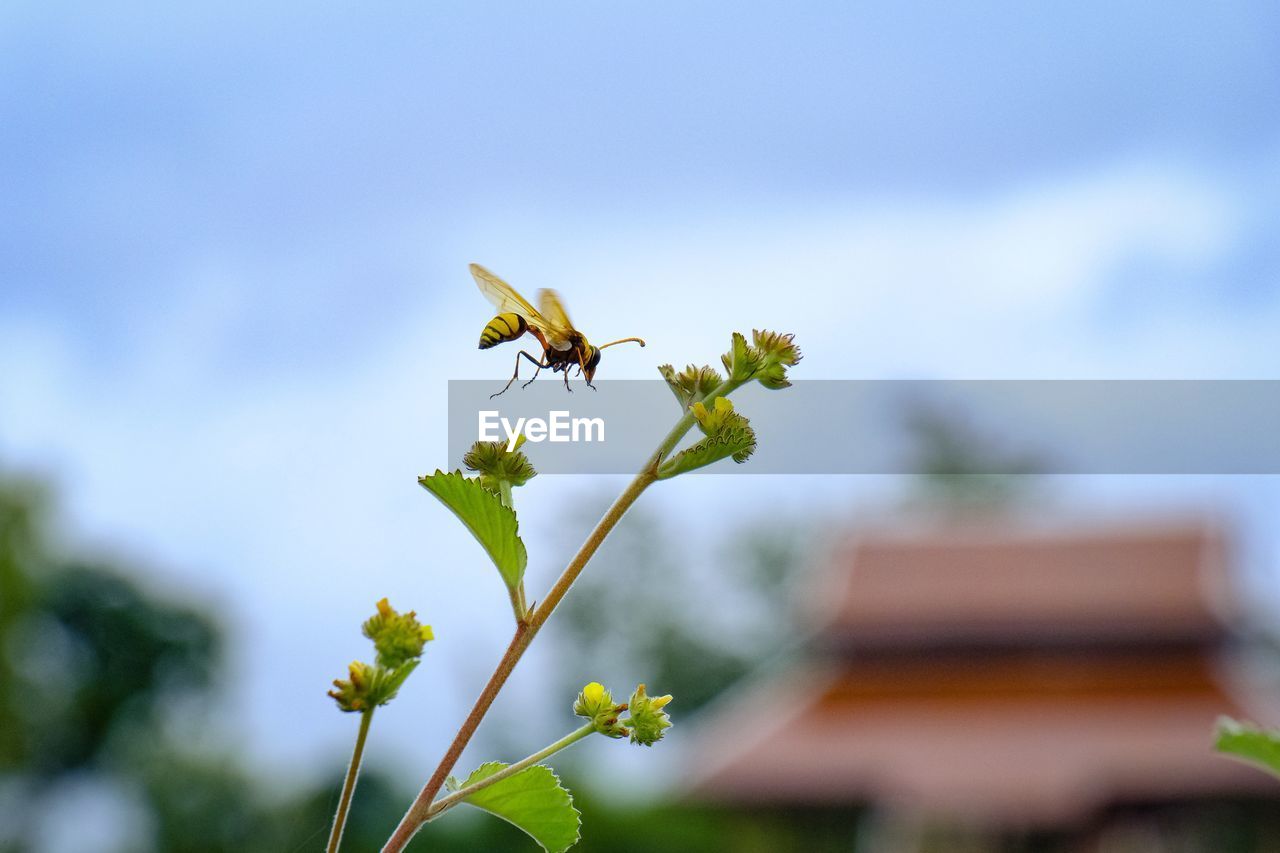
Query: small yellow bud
[[352, 694], [596, 704]]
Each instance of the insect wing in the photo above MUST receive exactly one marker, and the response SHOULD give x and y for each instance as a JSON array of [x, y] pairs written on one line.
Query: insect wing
[[558, 323], [504, 296]]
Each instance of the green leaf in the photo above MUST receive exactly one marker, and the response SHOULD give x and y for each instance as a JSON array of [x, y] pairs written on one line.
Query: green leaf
[[1249, 743], [532, 800], [738, 442], [494, 525]]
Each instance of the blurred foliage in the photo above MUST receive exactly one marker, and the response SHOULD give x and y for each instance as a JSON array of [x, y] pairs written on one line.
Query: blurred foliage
[[1249, 742], [97, 674], [86, 654], [95, 666], [92, 668], [961, 468], [688, 627]]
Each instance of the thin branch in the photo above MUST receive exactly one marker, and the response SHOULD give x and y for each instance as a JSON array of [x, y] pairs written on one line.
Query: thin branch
[[349, 786], [420, 811], [445, 803]]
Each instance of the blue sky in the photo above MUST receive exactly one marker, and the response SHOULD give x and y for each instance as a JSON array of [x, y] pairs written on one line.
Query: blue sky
[[233, 249]]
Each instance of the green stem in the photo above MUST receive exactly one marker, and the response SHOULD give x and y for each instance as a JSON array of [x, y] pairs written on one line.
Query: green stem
[[518, 604], [349, 786], [516, 594], [420, 811], [445, 803]]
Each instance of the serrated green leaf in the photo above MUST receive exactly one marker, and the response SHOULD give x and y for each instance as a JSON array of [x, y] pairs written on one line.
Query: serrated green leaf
[[1246, 741], [533, 800], [494, 525], [736, 442]]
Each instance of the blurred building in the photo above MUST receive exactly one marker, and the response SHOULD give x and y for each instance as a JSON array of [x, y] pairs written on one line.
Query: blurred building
[[1006, 678]]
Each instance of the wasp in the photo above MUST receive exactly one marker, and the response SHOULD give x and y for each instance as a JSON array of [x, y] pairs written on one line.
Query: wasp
[[563, 346]]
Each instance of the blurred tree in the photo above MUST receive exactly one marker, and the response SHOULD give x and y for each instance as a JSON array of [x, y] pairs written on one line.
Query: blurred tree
[[91, 667], [20, 505], [94, 670], [960, 469], [657, 612], [97, 655], [90, 661]]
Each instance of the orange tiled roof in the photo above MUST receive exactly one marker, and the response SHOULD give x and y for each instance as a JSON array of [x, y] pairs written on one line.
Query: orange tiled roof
[[1019, 678], [976, 585]]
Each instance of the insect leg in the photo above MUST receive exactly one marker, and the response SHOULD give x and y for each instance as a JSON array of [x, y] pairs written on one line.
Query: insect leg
[[516, 373], [535, 372]]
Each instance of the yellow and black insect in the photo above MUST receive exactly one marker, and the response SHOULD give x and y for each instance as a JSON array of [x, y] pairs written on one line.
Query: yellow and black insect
[[563, 346]]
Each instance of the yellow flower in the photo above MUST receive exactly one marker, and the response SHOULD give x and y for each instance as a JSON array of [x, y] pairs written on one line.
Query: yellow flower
[[596, 704]]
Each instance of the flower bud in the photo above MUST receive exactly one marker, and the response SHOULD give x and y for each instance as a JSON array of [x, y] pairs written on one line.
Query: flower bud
[[596, 704], [648, 721], [777, 352], [398, 638], [741, 361], [496, 465], [691, 384], [352, 693]]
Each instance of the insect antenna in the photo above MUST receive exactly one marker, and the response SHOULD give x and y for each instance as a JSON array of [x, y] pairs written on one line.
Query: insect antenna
[[621, 341]]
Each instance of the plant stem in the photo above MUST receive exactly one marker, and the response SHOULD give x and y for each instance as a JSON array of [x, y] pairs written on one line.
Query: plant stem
[[525, 632], [516, 594], [519, 607], [420, 811], [349, 786], [445, 803]]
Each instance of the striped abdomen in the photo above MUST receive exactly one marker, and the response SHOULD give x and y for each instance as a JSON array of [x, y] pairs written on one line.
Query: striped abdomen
[[503, 328]]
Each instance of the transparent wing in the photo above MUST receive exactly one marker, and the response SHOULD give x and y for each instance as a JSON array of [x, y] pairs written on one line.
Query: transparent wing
[[558, 319], [504, 297]]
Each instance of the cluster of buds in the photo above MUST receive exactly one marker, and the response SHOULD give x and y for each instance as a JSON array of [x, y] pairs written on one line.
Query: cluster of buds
[[692, 384], [702, 390], [726, 428], [728, 435], [647, 720], [398, 641], [498, 466], [776, 352], [766, 358], [645, 724]]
